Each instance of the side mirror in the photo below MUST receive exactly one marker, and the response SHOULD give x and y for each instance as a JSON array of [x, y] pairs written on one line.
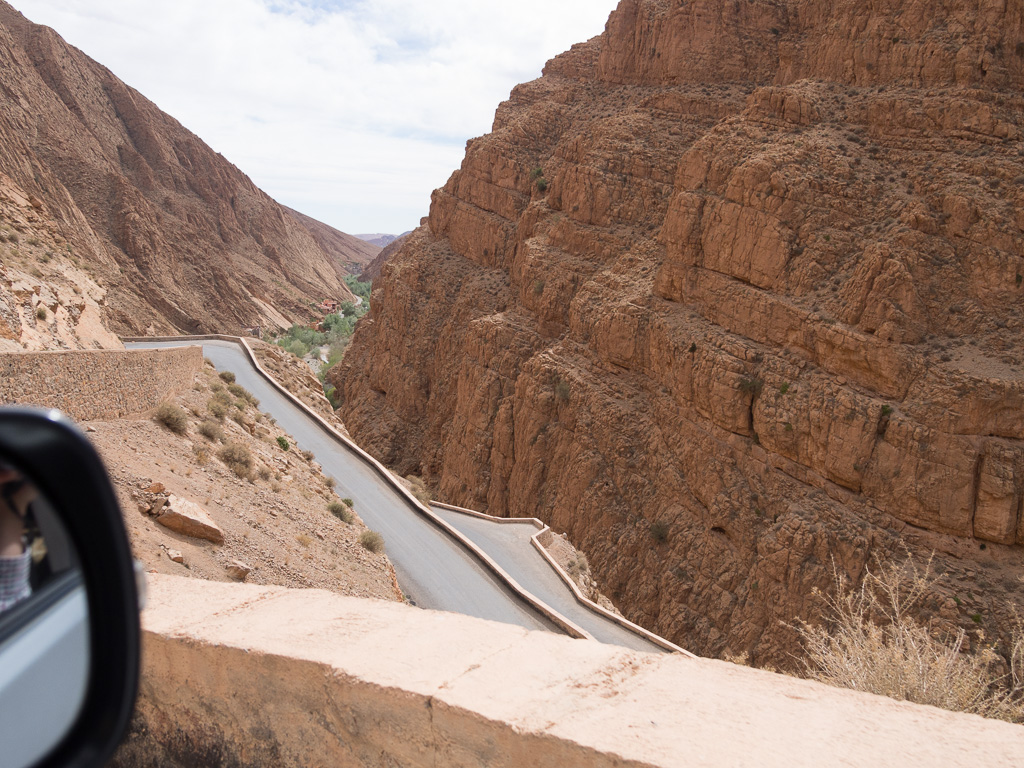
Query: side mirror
[[69, 607]]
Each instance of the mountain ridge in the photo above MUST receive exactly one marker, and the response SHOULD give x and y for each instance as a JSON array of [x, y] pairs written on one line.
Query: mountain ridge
[[175, 237]]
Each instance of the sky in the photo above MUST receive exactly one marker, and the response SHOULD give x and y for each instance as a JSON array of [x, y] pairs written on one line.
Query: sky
[[350, 111]]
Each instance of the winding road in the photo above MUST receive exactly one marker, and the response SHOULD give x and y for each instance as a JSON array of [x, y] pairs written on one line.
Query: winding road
[[434, 570]]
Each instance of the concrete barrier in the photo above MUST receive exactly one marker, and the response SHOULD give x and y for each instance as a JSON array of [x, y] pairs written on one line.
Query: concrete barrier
[[247, 675], [582, 599]]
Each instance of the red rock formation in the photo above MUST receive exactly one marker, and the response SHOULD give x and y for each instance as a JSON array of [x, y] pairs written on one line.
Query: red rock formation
[[180, 238], [731, 293]]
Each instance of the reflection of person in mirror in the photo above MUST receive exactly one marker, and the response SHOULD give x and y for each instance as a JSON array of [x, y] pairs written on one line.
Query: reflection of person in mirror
[[15, 496]]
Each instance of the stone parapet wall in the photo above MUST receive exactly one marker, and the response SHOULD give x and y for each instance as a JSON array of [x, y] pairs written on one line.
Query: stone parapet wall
[[245, 675], [97, 384]]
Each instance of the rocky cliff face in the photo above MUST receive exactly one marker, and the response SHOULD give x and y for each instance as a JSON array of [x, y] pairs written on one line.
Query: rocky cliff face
[[730, 294], [176, 237]]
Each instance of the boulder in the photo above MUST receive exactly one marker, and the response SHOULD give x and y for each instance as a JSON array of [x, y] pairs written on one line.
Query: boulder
[[188, 518], [237, 570]]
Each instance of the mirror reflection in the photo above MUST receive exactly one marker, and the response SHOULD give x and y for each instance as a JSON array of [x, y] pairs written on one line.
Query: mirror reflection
[[44, 623]]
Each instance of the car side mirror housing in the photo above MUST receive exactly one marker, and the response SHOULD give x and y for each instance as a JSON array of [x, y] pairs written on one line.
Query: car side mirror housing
[[69, 604]]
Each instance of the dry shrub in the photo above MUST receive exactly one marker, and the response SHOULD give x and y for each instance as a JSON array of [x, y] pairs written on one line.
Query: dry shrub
[[172, 417], [874, 644], [227, 376], [419, 489], [217, 408], [238, 458], [304, 539], [212, 430], [372, 541], [340, 511]]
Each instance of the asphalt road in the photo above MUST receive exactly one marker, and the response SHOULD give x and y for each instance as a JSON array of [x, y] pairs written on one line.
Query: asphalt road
[[433, 570], [508, 544]]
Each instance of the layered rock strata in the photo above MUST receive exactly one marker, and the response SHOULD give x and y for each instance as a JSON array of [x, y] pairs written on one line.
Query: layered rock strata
[[732, 295]]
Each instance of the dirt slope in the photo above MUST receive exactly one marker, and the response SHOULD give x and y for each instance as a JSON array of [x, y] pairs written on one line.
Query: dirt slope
[[275, 518], [731, 293]]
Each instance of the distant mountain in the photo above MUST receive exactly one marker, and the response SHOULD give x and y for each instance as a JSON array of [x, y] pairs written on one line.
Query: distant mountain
[[381, 240], [371, 270], [351, 252], [97, 181]]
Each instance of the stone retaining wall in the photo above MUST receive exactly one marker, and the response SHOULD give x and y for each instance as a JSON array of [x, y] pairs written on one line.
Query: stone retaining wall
[[97, 384]]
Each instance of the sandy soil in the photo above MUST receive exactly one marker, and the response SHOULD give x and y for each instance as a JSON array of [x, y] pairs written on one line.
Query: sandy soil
[[276, 521]]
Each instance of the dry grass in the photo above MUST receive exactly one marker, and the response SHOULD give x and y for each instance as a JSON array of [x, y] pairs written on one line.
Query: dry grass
[[419, 489], [341, 511], [238, 458], [872, 643], [172, 417], [372, 541]]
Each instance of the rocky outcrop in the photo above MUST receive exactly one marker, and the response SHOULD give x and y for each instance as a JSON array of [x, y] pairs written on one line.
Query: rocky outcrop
[[170, 235], [732, 295], [189, 519]]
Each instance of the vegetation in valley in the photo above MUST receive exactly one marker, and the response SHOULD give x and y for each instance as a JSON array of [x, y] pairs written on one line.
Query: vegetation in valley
[[337, 329]]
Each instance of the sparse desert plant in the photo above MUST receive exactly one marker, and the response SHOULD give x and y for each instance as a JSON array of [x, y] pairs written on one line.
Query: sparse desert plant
[[41, 312], [217, 408], [372, 541], [265, 473], [307, 455], [330, 482], [172, 417], [419, 489], [562, 390], [283, 442], [349, 503], [871, 642], [340, 511], [304, 539], [238, 458], [212, 430], [751, 386], [227, 376]]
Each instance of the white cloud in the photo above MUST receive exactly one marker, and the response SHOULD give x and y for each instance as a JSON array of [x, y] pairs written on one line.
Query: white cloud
[[352, 111]]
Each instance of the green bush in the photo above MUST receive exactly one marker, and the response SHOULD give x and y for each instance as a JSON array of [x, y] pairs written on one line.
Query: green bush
[[283, 442], [348, 502], [372, 541], [341, 511], [41, 312], [172, 417]]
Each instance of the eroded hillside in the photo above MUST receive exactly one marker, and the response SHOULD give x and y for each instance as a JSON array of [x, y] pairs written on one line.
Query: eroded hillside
[[176, 237], [730, 294]]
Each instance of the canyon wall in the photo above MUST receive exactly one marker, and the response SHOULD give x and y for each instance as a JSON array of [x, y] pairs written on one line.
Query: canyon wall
[[98, 180], [732, 295]]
